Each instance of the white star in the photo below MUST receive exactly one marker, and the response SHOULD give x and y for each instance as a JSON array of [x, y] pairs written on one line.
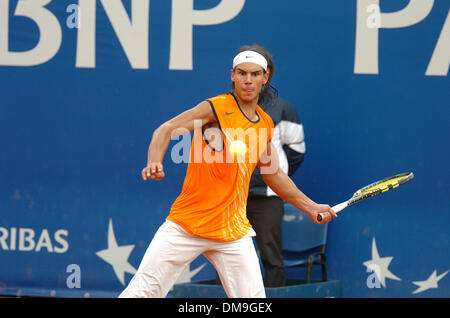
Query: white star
[[431, 282], [380, 265], [187, 274], [117, 256]]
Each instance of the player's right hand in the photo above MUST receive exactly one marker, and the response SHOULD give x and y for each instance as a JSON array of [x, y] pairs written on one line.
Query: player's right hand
[[326, 211], [153, 171]]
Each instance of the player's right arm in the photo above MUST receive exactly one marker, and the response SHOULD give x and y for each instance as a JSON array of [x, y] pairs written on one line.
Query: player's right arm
[[287, 190], [162, 135]]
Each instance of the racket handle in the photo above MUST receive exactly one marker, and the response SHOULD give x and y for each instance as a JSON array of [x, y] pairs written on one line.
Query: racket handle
[[337, 208]]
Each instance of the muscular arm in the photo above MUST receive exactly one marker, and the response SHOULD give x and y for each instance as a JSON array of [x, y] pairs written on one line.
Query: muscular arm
[[180, 124], [286, 189]]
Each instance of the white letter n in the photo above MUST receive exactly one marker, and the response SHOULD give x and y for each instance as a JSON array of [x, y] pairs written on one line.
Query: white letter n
[[131, 32]]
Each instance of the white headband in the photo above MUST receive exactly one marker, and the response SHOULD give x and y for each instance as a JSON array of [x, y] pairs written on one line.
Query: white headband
[[252, 57]]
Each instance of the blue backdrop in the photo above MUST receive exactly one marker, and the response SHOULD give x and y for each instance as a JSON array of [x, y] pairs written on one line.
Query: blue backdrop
[[79, 103]]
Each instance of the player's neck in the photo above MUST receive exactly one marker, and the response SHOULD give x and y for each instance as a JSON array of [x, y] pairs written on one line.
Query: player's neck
[[248, 108]]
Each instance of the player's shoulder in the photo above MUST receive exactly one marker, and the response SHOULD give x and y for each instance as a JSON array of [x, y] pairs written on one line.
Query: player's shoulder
[[221, 103], [221, 98]]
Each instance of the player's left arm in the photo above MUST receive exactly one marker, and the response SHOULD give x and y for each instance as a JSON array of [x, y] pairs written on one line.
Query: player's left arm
[[286, 189]]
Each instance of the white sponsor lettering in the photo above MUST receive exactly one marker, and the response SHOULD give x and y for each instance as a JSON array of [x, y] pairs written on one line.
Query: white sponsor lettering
[[27, 239], [184, 17], [132, 32], [50, 34], [369, 20]]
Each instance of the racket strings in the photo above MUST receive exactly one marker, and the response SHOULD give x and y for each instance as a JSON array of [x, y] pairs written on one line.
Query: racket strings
[[381, 186]]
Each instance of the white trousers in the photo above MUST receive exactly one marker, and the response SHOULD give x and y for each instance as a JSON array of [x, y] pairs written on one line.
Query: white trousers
[[172, 249]]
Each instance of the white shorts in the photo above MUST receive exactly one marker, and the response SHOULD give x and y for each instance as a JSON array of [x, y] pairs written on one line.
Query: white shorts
[[172, 249]]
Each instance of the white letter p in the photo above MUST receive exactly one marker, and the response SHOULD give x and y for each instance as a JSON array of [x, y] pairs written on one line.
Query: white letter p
[[184, 17]]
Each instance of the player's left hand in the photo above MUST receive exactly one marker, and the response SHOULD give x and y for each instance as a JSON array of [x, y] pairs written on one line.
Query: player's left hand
[[154, 171]]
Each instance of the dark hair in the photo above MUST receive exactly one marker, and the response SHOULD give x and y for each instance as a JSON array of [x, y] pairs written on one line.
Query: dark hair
[[270, 66]]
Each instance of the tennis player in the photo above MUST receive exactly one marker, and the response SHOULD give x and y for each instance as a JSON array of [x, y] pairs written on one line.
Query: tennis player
[[209, 216]]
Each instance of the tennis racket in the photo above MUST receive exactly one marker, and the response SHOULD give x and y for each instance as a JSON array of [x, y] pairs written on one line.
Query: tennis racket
[[371, 190]]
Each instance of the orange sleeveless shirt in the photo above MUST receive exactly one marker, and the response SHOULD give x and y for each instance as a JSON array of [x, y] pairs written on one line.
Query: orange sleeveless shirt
[[213, 200]]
